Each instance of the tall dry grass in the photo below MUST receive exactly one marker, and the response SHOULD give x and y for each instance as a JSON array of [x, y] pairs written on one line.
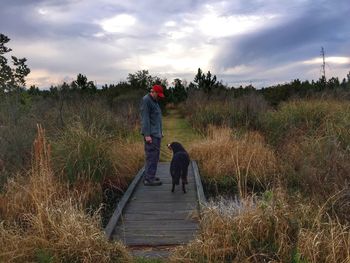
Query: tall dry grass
[[308, 118], [271, 229], [81, 153], [317, 166], [224, 109], [245, 231], [312, 138], [327, 242], [229, 160], [42, 221], [127, 157]]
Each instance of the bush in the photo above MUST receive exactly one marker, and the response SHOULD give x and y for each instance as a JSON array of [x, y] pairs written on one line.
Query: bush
[[312, 140], [246, 111], [17, 132], [82, 154], [316, 166], [243, 112], [297, 118]]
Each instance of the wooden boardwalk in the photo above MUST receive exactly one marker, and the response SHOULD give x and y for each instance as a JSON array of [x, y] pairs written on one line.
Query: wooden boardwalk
[[154, 216]]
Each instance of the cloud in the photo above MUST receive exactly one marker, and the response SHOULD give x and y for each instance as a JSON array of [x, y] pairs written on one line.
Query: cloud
[[297, 37], [239, 41]]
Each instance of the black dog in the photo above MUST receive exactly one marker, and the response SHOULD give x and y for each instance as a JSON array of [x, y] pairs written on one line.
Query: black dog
[[179, 165]]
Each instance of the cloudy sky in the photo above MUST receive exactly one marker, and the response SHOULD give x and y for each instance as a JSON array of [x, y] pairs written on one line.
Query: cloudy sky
[[261, 42]]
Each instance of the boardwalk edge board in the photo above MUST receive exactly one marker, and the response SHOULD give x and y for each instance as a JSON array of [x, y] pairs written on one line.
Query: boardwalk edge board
[[121, 205], [200, 193]]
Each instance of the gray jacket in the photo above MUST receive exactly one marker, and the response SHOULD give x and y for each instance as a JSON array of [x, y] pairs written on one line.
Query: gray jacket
[[151, 117]]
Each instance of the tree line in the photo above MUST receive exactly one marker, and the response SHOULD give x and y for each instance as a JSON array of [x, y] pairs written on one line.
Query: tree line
[[12, 81]]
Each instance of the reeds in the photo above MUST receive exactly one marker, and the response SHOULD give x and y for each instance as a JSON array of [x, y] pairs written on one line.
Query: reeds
[[82, 153], [244, 231], [228, 159], [127, 157], [42, 220], [274, 228], [308, 118]]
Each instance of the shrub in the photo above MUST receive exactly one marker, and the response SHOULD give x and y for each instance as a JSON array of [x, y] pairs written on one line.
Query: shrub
[[312, 142], [82, 154], [94, 114], [242, 112], [17, 132], [246, 111], [209, 114], [315, 117], [316, 166]]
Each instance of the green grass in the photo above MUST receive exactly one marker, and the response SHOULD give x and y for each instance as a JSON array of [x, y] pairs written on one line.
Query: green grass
[[176, 128]]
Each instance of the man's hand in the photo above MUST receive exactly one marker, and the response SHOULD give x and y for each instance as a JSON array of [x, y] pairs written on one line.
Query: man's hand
[[148, 139]]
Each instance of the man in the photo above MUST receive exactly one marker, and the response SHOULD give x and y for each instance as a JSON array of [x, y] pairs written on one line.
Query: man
[[151, 129]]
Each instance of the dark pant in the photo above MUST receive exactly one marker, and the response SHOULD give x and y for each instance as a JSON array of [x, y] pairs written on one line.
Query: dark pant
[[152, 152]]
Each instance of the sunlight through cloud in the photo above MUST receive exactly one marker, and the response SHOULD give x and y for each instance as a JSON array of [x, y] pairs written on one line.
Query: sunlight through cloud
[[334, 60], [216, 25], [118, 24]]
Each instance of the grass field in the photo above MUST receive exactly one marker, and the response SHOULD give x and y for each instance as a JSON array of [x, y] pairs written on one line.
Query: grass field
[[176, 128]]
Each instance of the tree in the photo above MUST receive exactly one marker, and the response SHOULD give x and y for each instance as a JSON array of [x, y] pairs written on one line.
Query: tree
[[199, 78], [11, 79], [333, 83], [205, 82], [179, 92], [141, 80], [83, 84], [33, 90]]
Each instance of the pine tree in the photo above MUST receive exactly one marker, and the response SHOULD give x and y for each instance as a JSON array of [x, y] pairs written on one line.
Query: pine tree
[[11, 78]]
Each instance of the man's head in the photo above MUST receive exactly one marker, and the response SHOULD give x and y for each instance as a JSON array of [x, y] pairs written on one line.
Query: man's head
[[157, 92]]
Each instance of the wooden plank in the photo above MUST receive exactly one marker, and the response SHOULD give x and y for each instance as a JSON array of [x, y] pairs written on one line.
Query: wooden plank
[[161, 224], [158, 207], [165, 226], [121, 205], [157, 198], [152, 233], [200, 193], [156, 240], [162, 212], [178, 193], [165, 215], [164, 199], [151, 253], [167, 190], [148, 228], [144, 233]]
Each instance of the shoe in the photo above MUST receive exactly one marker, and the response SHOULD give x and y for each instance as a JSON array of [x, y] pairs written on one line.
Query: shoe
[[152, 183], [155, 178]]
